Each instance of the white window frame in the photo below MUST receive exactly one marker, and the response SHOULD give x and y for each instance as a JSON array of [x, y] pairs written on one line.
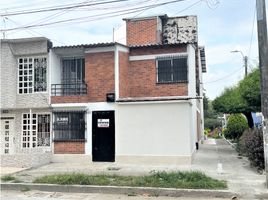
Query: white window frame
[[34, 132], [32, 75]]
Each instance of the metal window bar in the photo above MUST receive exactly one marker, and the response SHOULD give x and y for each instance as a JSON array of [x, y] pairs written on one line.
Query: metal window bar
[[71, 129], [68, 89], [172, 69]]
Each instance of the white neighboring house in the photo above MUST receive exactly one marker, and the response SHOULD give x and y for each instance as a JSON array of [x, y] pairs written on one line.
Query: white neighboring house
[[25, 103]]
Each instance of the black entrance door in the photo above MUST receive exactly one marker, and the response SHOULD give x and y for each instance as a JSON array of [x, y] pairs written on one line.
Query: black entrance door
[[103, 136]]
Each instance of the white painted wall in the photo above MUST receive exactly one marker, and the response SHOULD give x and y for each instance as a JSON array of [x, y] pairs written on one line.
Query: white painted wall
[[157, 129], [191, 71], [55, 68]]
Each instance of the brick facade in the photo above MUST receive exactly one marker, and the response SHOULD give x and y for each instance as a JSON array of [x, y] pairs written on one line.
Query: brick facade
[[69, 99], [69, 147], [142, 32], [99, 75], [123, 74], [139, 78], [142, 82]]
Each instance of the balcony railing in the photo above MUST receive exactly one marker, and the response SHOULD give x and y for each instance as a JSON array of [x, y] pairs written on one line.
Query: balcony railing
[[68, 89]]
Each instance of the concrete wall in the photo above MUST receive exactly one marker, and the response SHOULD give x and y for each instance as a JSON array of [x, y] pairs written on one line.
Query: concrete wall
[[153, 132], [17, 135], [11, 50]]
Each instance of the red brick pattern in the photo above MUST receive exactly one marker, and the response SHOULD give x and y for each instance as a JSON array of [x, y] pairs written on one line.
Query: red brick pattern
[[99, 75], [69, 147], [157, 50], [123, 74], [69, 99], [142, 82], [141, 32]]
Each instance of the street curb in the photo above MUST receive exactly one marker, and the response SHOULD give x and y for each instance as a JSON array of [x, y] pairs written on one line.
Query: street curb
[[150, 191]]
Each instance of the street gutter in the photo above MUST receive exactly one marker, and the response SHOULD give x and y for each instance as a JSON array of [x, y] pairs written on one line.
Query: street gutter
[[150, 191]]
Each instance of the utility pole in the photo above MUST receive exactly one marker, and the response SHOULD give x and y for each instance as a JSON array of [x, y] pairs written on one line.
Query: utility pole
[[263, 57], [246, 65]]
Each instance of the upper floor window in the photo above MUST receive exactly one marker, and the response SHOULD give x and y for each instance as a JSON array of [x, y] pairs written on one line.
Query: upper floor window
[[32, 74], [172, 69], [73, 70]]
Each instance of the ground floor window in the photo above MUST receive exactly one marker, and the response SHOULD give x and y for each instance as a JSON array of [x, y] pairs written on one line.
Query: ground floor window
[[69, 126], [35, 130]]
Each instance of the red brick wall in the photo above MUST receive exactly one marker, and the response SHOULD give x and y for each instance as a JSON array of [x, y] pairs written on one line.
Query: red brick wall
[[141, 32], [142, 82], [69, 99], [157, 50], [99, 75], [69, 147], [123, 71], [139, 79]]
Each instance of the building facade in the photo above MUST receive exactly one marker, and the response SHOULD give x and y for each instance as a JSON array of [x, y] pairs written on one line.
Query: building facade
[[25, 102], [135, 103]]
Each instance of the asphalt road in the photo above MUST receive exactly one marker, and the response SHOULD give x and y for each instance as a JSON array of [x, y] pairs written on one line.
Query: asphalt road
[[38, 195]]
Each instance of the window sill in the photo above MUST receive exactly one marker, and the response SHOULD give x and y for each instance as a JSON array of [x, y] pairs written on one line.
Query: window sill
[[69, 140]]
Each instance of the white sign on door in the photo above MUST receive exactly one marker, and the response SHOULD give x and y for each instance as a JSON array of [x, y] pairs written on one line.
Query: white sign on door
[[103, 123]]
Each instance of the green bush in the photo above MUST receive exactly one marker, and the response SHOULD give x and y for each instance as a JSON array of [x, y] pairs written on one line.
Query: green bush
[[236, 125], [254, 148]]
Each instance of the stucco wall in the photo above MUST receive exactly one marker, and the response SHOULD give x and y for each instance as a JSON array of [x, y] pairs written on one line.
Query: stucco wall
[[11, 50], [17, 134], [156, 129]]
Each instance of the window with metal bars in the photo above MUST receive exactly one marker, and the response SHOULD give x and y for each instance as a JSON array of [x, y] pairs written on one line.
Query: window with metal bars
[[172, 69], [35, 130], [69, 126], [32, 74]]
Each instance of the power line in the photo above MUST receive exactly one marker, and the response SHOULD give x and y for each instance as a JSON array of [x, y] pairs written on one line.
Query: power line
[[55, 8], [97, 17], [224, 77]]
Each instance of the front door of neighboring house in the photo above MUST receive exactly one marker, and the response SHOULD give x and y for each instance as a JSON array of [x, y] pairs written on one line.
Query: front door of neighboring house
[[103, 136], [7, 135]]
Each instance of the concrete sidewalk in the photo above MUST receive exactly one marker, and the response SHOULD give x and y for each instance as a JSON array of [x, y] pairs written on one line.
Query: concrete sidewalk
[[241, 178]]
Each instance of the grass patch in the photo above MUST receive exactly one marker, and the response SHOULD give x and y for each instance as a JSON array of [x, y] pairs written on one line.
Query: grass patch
[[193, 179], [7, 178]]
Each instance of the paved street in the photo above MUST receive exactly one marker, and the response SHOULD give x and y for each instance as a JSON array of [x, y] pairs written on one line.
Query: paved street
[[241, 178], [37, 195]]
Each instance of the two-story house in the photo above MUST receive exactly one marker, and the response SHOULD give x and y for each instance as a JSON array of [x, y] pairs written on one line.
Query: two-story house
[[25, 102], [139, 102]]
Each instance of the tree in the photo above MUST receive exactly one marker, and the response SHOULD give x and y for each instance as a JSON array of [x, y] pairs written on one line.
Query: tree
[[211, 116], [243, 98]]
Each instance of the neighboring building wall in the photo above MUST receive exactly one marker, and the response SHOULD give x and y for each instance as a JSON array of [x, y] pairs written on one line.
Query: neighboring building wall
[[145, 130], [142, 31], [11, 50], [17, 135]]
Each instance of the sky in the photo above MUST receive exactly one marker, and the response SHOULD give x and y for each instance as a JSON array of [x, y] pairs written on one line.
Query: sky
[[223, 26]]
